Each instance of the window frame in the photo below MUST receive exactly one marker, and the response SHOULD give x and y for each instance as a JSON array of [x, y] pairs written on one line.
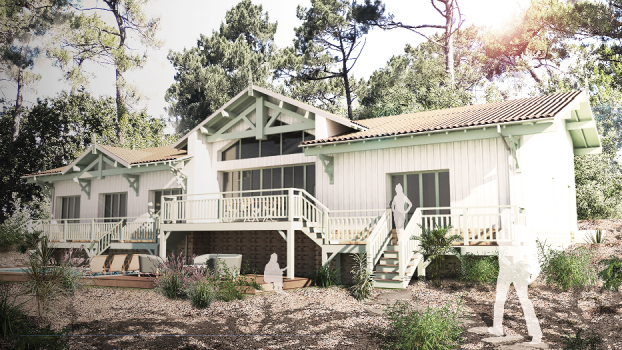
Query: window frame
[[72, 203], [420, 200], [111, 218], [306, 167]]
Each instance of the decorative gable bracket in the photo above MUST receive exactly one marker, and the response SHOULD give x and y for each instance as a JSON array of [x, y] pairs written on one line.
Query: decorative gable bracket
[[182, 179], [329, 166], [85, 186], [46, 188], [133, 181]]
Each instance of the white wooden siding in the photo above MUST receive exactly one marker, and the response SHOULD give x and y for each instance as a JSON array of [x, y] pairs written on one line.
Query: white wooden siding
[[93, 208], [477, 174]]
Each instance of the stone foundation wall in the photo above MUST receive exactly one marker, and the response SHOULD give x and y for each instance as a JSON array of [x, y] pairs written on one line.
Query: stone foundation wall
[[256, 248]]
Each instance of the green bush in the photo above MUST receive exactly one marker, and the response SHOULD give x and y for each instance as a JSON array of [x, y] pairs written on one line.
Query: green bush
[[434, 244], [325, 276], [479, 268], [201, 292], [567, 269], [231, 285], [171, 281], [434, 329], [612, 274], [598, 238], [592, 342], [29, 241], [363, 282]]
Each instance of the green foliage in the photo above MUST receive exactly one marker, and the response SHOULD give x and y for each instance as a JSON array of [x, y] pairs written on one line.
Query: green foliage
[[417, 81], [571, 269], [596, 239], [14, 230], [201, 292], [29, 241], [434, 244], [325, 276], [480, 269], [171, 280], [612, 273], [363, 282], [577, 342], [12, 316], [218, 68], [434, 329]]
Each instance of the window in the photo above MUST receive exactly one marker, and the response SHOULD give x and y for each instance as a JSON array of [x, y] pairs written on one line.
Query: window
[[115, 206], [299, 176], [70, 208], [274, 145], [157, 203]]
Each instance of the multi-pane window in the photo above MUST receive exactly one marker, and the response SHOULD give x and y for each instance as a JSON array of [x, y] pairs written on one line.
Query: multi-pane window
[[70, 208], [274, 145], [298, 176], [158, 197], [115, 205], [426, 189]]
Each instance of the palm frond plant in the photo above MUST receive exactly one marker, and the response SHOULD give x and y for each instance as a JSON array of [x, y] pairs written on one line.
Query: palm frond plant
[[363, 282], [44, 281], [434, 244], [598, 238]]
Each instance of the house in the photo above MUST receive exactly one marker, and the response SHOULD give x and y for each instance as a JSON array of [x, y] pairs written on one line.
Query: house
[[266, 173]]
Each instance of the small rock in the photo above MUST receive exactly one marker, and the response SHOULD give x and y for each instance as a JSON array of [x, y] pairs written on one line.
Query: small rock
[[505, 339], [479, 330]]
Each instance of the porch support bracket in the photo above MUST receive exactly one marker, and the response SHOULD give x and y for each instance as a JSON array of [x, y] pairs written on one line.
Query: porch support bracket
[[46, 188], [515, 143], [181, 178], [329, 166], [85, 186], [133, 181], [283, 235]]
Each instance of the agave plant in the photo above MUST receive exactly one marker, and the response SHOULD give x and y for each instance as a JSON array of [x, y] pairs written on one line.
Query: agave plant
[[599, 237]]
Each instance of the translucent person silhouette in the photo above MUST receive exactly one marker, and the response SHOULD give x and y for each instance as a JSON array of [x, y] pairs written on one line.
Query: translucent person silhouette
[[399, 213], [518, 264], [274, 274]]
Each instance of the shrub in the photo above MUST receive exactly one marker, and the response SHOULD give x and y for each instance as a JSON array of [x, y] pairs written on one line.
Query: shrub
[[612, 274], [479, 268], [325, 276], [434, 244], [229, 284], [567, 269], [599, 237], [11, 314], [29, 241], [173, 275], [434, 329], [363, 282], [592, 342], [201, 291], [13, 231]]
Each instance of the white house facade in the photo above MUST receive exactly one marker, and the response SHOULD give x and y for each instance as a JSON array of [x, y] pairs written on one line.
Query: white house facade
[[268, 174]]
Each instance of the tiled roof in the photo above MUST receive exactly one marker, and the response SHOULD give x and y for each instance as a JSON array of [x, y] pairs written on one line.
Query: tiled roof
[[146, 155], [452, 118]]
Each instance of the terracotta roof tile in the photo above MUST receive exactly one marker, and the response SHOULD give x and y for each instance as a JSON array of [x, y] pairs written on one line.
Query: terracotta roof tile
[[445, 119], [50, 171], [146, 155]]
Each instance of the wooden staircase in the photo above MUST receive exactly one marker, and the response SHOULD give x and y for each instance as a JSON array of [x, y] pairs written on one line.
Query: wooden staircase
[[386, 273]]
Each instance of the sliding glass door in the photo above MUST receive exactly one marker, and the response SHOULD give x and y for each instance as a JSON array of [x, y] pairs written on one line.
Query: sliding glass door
[[424, 190]]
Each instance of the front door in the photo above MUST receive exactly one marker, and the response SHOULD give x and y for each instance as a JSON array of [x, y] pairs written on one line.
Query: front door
[[424, 190]]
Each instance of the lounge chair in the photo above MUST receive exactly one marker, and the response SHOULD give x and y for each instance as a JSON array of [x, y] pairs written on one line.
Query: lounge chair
[[96, 265], [117, 263], [133, 265]]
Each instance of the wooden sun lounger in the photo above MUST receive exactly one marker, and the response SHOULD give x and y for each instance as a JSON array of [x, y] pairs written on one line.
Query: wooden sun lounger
[[117, 263], [133, 264], [96, 265]]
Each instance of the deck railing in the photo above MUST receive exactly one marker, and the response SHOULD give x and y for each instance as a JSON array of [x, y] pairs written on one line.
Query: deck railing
[[352, 225], [406, 245], [92, 229], [379, 238]]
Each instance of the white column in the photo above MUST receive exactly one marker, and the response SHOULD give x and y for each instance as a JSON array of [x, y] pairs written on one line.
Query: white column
[[163, 237], [290, 253]]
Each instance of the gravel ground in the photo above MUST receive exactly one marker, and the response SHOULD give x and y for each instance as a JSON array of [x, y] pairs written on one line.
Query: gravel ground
[[327, 318]]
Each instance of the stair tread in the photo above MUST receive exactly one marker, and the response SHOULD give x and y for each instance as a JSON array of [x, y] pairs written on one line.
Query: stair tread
[[386, 280], [391, 251], [391, 265]]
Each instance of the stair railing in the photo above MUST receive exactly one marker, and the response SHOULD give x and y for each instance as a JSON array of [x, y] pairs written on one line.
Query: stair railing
[[105, 240], [312, 210], [407, 246], [379, 239]]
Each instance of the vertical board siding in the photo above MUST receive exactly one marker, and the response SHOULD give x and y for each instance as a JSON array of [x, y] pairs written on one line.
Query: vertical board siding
[[477, 171]]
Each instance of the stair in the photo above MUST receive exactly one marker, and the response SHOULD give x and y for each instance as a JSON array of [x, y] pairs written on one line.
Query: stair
[[386, 273], [314, 233]]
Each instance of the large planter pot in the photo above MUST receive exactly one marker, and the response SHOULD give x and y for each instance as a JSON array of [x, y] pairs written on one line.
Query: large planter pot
[[149, 263], [231, 262]]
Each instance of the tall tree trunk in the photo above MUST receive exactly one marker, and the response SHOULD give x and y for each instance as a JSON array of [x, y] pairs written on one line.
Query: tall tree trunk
[[346, 83], [120, 106], [449, 41], [17, 113]]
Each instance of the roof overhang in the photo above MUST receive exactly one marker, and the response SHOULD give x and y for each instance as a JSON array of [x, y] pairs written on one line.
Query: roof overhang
[[241, 101], [581, 126]]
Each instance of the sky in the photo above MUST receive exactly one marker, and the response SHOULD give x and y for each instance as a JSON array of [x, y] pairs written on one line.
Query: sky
[[182, 21]]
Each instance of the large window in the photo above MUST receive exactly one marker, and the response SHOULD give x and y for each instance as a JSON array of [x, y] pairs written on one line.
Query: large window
[[298, 176], [70, 208], [115, 205], [274, 145], [426, 189], [158, 197]]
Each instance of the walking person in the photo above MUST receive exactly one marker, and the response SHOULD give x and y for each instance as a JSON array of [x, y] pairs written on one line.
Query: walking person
[[518, 265]]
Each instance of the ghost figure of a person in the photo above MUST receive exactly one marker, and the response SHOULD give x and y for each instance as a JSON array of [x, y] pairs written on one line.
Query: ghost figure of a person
[[274, 274], [518, 264], [399, 213]]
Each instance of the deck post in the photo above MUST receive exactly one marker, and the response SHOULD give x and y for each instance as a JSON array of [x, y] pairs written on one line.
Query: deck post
[[65, 231], [290, 252], [466, 226], [163, 237], [420, 267], [290, 205], [92, 229]]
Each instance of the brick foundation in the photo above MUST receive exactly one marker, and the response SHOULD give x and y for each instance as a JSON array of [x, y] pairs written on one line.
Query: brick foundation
[[255, 247]]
